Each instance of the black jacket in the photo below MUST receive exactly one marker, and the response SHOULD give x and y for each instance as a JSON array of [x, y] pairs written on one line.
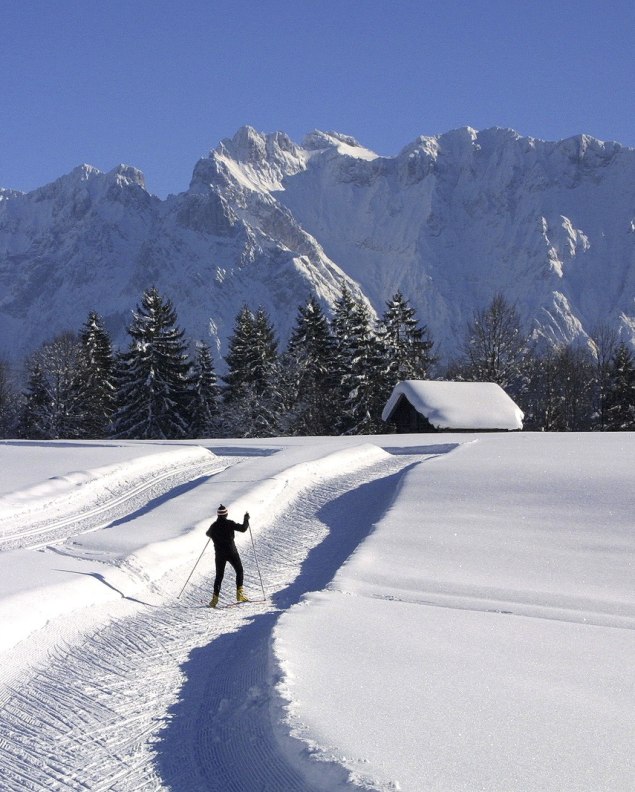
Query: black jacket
[[221, 532]]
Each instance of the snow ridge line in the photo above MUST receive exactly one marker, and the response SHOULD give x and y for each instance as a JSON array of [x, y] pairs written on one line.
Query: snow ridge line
[[480, 602], [112, 494], [72, 484]]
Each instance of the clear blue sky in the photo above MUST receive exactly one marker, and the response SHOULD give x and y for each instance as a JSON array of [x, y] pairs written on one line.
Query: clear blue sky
[[157, 84]]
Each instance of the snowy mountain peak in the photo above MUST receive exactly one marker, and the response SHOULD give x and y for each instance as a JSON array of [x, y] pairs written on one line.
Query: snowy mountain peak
[[344, 144], [423, 143], [86, 179], [464, 141], [250, 160], [83, 173], [125, 175], [248, 145], [6, 194], [449, 221]]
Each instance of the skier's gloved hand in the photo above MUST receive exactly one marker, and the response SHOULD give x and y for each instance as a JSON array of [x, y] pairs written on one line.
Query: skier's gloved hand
[[247, 516]]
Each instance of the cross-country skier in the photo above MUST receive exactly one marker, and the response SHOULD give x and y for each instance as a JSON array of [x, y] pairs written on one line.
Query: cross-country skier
[[221, 532]]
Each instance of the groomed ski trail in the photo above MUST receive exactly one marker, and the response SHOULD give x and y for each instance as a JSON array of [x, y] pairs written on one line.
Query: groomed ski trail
[[177, 696], [109, 497]]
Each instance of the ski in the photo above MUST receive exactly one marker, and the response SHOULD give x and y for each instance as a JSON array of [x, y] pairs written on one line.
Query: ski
[[235, 604]]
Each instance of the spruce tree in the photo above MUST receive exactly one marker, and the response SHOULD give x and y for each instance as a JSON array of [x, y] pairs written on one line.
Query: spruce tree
[[96, 381], [359, 368], [240, 357], [155, 384], [34, 423], [620, 396], [251, 399], [9, 402], [206, 394], [369, 377], [407, 345], [309, 365], [344, 337], [266, 357]]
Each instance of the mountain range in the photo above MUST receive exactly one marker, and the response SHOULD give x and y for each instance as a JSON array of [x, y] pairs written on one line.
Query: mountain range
[[449, 221]]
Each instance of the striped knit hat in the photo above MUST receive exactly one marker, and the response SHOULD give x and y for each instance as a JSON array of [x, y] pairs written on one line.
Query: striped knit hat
[[222, 511]]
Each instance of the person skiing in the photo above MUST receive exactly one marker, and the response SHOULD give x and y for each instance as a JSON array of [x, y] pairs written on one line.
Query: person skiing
[[221, 532]]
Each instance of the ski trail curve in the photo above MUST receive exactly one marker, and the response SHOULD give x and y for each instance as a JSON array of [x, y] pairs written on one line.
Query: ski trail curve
[[220, 734], [179, 697]]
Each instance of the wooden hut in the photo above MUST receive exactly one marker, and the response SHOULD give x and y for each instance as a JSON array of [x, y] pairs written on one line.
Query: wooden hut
[[431, 406]]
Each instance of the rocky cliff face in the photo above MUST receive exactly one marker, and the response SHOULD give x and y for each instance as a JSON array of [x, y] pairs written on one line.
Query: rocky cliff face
[[449, 221]]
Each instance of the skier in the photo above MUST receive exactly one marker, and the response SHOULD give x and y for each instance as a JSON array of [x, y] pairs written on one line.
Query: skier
[[221, 532]]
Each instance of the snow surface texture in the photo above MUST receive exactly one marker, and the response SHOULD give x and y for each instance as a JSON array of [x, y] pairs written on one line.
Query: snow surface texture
[[458, 405], [482, 637], [450, 221], [450, 616]]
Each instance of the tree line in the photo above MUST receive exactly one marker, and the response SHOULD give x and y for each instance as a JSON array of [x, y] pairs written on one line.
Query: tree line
[[334, 375]]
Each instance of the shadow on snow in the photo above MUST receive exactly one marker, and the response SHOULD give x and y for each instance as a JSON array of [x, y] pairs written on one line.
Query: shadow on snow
[[219, 734]]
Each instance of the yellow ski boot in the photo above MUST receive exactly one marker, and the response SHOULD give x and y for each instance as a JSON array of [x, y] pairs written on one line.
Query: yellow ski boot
[[214, 601], [240, 595]]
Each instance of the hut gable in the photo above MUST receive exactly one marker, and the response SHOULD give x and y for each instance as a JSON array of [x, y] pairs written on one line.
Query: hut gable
[[428, 406]]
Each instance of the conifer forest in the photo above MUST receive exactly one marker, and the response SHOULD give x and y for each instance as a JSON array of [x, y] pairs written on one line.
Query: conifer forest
[[333, 376]]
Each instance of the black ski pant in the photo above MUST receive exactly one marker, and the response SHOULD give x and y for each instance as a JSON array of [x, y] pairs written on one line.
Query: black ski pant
[[222, 557]]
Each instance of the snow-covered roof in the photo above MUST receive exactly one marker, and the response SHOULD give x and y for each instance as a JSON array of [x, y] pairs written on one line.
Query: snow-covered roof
[[458, 405]]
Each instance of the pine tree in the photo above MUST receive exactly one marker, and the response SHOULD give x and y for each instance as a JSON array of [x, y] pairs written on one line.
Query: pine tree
[[155, 385], [251, 400], [9, 402], [359, 368], [407, 345], [206, 395], [309, 365], [240, 356], [34, 421], [620, 396], [96, 381]]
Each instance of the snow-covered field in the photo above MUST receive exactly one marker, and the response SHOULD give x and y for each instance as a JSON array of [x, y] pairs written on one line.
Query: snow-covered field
[[449, 612]]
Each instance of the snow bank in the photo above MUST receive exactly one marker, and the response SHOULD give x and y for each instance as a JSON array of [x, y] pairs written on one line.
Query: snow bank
[[78, 491], [27, 463], [482, 637]]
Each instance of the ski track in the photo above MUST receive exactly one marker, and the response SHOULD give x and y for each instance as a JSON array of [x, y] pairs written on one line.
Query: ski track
[[29, 534], [177, 697]]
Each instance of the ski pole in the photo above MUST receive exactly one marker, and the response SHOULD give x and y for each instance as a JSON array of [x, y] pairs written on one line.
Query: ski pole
[[193, 568], [264, 596]]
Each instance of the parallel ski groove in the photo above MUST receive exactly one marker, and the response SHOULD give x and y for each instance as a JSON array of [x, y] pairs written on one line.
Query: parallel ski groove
[[173, 698], [27, 533]]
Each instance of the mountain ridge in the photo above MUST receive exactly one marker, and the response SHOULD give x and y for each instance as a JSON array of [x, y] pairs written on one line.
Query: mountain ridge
[[449, 221]]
